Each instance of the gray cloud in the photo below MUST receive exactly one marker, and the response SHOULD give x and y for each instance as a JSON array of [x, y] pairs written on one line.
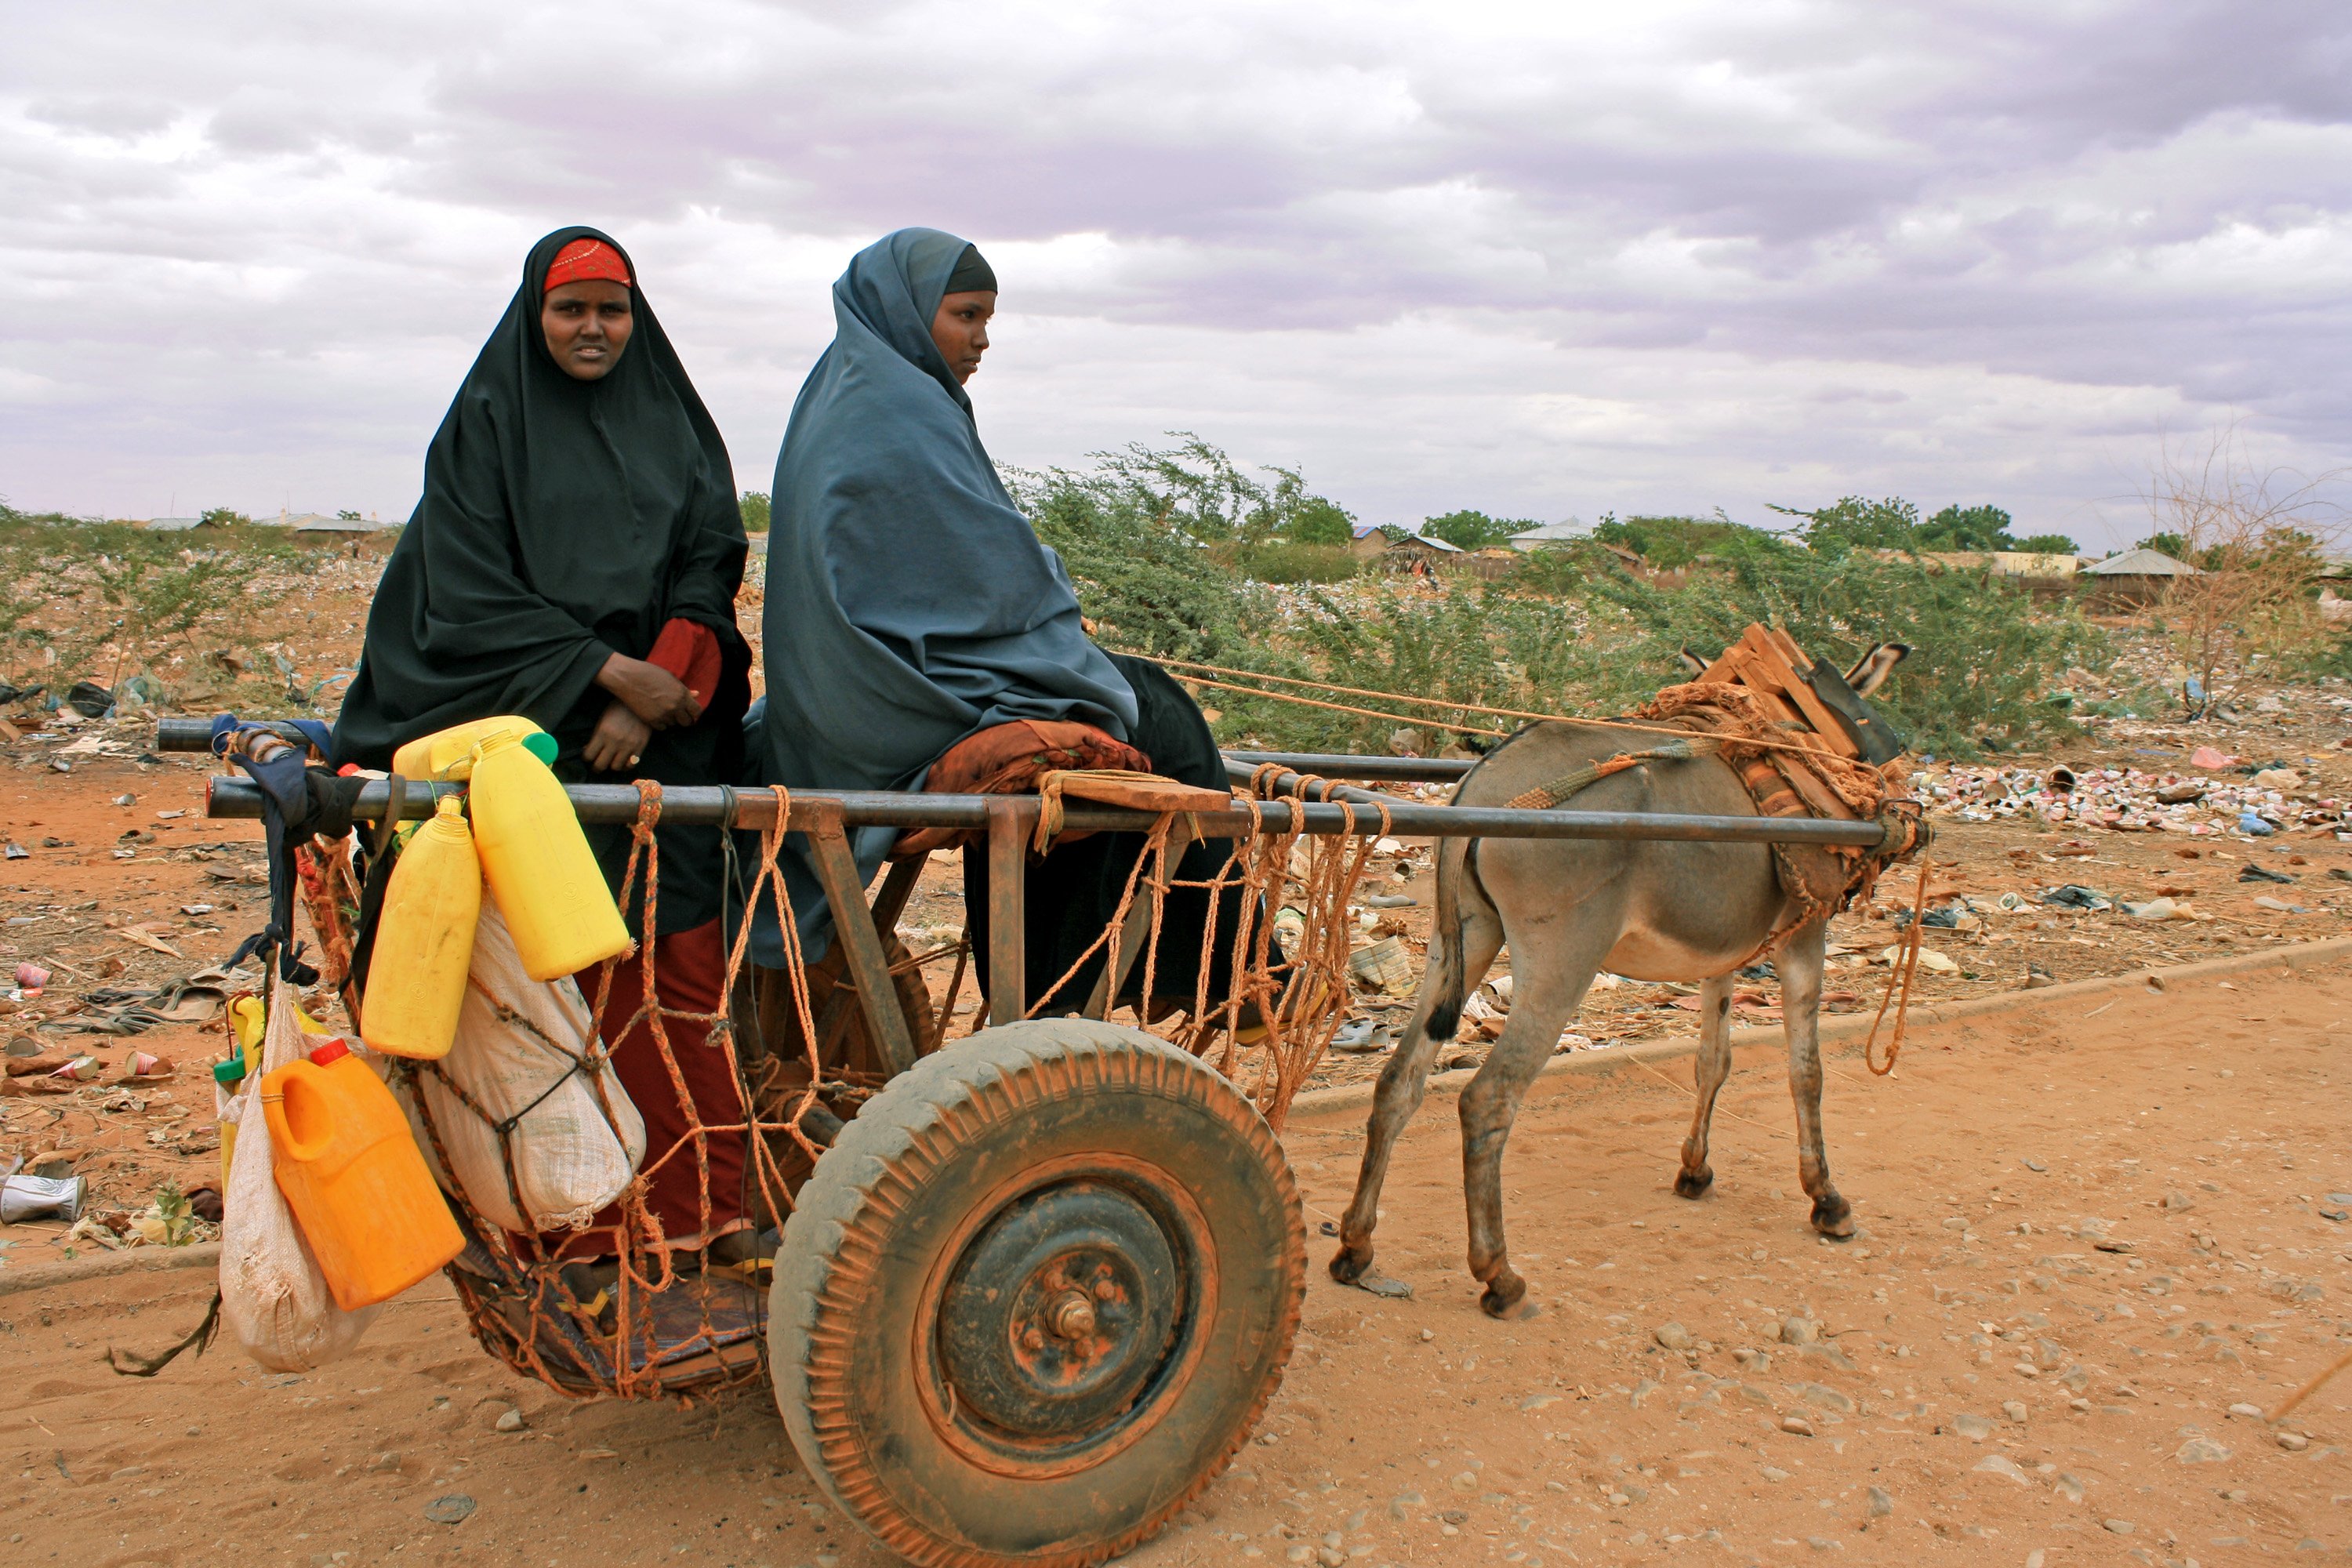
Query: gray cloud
[[1560, 259]]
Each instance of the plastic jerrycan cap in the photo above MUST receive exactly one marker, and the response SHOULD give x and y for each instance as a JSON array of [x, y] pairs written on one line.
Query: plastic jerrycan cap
[[230, 1073], [333, 1051]]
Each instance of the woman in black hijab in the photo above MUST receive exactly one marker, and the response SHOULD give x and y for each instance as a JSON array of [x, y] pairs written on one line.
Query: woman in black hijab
[[574, 560]]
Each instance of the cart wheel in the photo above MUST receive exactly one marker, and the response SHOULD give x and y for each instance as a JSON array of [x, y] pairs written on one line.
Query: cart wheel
[[1035, 1295]]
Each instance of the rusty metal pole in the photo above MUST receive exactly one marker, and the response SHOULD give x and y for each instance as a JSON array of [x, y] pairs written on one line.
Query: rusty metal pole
[[1010, 820], [853, 927]]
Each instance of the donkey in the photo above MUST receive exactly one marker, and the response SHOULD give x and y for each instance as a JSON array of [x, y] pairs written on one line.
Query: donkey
[[1652, 909]]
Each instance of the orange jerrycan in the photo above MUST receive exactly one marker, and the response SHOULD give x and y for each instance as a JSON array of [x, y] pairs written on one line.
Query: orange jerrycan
[[350, 1171], [538, 863], [425, 939]]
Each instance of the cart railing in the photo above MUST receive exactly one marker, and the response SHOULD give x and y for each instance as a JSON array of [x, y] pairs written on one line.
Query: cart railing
[[1008, 822]]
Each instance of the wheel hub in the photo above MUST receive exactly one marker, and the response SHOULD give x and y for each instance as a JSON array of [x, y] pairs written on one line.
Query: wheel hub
[[1059, 1314]]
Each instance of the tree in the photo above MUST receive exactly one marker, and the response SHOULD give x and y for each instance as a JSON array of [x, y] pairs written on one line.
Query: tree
[[1667, 543], [2048, 544], [2256, 535], [1856, 523], [755, 506], [1475, 529], [1966, 527], [1321, 521], [221, 517]]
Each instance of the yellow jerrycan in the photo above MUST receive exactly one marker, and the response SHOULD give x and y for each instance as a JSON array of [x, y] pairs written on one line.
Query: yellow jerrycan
[[425, 939], [538, 863], [449, 754]]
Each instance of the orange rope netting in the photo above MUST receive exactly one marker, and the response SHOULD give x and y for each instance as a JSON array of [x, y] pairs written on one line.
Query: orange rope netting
[[650, 1319]]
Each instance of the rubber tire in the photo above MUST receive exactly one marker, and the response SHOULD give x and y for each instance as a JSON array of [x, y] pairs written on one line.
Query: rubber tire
[[883, 1205]]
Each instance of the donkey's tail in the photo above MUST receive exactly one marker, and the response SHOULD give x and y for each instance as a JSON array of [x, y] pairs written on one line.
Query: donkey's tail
[[1442, 980]]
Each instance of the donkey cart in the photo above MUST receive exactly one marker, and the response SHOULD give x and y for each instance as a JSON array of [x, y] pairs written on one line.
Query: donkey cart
[[1035, 1284]]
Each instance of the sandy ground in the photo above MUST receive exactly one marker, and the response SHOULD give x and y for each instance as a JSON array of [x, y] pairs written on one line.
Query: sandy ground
[[1982, 1382]]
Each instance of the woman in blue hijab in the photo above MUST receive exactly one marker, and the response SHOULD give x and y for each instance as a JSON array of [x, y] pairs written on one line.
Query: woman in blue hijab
[[910, 605]]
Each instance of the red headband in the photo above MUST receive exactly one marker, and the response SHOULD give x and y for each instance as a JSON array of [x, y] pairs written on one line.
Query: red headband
[[587, 258]]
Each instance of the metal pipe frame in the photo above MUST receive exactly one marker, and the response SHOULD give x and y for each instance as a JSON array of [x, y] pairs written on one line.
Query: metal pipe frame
[[1336, 765], [721, 806], [1008, 822]]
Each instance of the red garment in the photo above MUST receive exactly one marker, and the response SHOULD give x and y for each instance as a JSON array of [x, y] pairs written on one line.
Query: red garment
[[584, 259], [692, 969], [689, 650]]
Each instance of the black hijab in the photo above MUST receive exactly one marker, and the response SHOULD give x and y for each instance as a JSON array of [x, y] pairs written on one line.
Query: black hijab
[[563, 521]]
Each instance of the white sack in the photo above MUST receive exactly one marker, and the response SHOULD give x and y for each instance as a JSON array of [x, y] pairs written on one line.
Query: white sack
[[518, 1046], [273, 1297]]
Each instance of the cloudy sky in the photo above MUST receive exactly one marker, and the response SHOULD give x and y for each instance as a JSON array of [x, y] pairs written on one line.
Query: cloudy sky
[[1538, 259]]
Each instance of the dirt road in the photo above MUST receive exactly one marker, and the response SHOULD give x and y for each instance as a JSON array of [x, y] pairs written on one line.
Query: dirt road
[[1981, 1381]]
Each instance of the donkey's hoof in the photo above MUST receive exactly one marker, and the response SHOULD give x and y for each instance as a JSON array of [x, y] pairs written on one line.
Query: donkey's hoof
[[1349, 1270], [1834, 1218], [1502, 1292], [1694, 1184]]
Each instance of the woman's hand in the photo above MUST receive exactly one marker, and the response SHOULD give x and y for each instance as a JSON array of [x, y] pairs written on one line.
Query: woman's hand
[[657, 697], [619, 741]]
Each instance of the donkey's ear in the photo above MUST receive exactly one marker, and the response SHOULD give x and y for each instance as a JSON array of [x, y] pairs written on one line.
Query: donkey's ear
[[1693, 662], [1870, 672]]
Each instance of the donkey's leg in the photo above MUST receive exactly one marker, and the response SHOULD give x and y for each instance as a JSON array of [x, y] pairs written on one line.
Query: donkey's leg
[[1459, 958], [1714, 1065], [1548, 985], [1800, 1010]]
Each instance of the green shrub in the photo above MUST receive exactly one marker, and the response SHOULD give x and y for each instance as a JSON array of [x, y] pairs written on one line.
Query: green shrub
[[1287, 562], [1149, 586], [1984, 656], [1668, 542], [754, 505], [1475, 529]]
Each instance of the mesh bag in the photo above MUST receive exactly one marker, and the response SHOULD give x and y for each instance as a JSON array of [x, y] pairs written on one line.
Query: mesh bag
[[273, 1297]]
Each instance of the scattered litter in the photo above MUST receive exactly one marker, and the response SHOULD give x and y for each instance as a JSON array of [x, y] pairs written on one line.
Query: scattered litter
[[2075, 896], [2262, 874], [1392, 901], [2160, 909], [1929, 959], [26, 1198], [31, 976], [18, 852], [453, 1509], [1383, 966], [2127, 800], [2212, 761], [1361, 1037]]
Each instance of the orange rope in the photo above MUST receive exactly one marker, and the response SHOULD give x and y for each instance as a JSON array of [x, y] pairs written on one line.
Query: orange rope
[[2314, 1386], [1436, 702], [1906, 965]]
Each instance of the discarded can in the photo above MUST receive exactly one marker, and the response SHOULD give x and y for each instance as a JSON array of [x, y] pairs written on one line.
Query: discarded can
[[24, 1198], [82, 1069], [32, 976]]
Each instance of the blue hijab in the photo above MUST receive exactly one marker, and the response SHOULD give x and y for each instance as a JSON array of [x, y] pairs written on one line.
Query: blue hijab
[[908, 602]]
